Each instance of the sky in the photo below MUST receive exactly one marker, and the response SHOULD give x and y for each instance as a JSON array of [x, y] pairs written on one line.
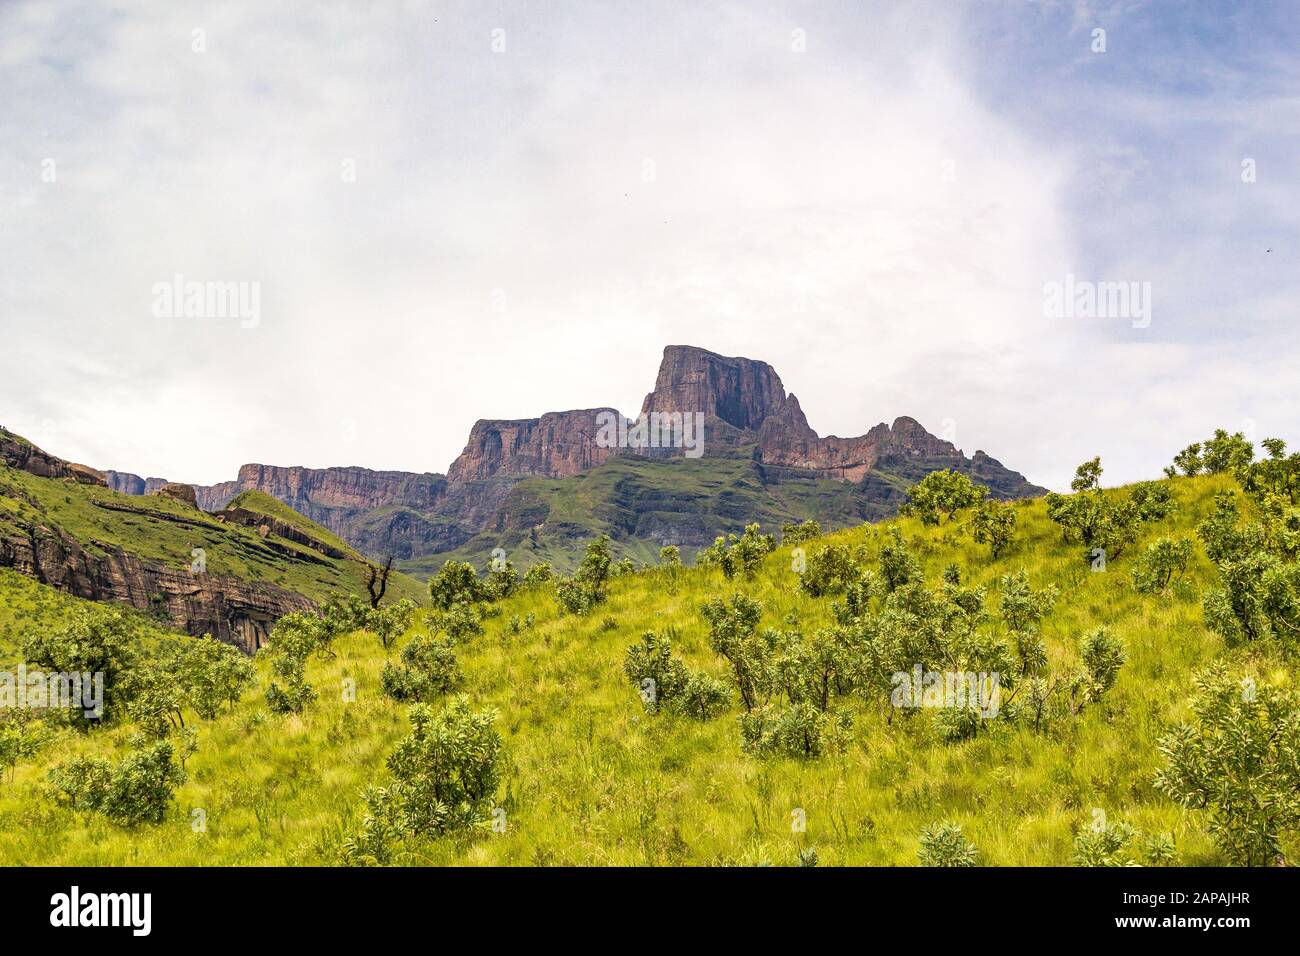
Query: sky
[[454, 211]]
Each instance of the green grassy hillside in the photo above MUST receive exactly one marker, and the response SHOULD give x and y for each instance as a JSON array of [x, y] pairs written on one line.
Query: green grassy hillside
[[164, 531], [592, 778], [644, 503]]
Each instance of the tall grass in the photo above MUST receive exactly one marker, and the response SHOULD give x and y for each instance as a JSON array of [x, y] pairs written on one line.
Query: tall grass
[[593, 780]]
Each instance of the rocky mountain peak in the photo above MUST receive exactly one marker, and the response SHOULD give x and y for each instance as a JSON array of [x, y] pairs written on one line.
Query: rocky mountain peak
[[741, 392]]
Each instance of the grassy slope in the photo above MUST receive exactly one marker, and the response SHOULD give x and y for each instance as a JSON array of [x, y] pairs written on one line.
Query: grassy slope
[[636, 500], [593, 780], [147, 532]]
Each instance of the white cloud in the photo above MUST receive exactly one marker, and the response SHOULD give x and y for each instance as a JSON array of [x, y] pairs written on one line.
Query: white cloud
[[501, 253]]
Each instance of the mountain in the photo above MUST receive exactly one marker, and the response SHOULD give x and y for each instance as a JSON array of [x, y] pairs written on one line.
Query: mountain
[[718, 442], [231, 573]]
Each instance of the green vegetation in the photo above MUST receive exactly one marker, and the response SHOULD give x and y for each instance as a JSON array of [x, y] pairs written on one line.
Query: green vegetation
[[683, 715], [162, 531]]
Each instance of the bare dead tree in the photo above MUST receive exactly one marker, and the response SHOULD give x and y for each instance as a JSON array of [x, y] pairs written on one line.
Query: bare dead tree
[[379, 577]]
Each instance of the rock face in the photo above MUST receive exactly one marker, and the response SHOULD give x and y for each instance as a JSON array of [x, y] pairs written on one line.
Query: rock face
[[237, 612], [16, 452], [178, 492], [557, 445], [739, 392], [129, 484]]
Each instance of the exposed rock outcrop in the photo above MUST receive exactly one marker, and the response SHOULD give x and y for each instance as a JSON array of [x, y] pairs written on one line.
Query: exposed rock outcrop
[[178, 492], [557, 445], [21, 454], [238, 612]]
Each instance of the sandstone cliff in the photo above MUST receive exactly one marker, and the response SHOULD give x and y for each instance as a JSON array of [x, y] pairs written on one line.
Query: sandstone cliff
[[556, 445]]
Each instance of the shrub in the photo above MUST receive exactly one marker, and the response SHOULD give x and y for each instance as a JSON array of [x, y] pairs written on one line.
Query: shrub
[[457, 583], [459, 622], [21, 738], [703, 697], [898, 566], [831, 569], [658, 675], [738, 554], [799, 730], [670, 556], [587, 588], [1153, 499], [798, 533], [293, 640], [429, 668], [389, 623], [944, 844], [1162, 561], [447, 770], [940, 495], [994, 524], [538, 575], [731, 635], [95, 640], [136, 790], [1236, 760]]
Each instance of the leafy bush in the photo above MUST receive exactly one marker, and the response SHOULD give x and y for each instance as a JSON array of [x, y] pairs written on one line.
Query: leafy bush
[[1236, 760], [457, 583], [800, 730], [994, 524], [738, 554], [95, 641], [587, 588], [703, 697], [538, 575], [944, 844], [389, 623], [136, 790], [940, 495], [447, 770], [293, 640], [429, 668], [657, 674], [798, 533], [831, 569], [1163, 560]]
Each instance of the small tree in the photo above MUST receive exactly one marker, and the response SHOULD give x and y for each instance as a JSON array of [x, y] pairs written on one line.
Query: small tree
[[831, 569], [389, 623], [731, 635], [657, 674], [95, 641], [994, 524], [587, 588], [429, 668], [940, 495], [136, 790], [538, 575], [295, 637], [457, 583], [21, 738], [738, 554], [1163, 560], [1236, 760]]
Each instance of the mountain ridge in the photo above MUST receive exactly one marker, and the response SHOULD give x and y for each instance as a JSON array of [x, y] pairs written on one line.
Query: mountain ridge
[[744, 412]]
